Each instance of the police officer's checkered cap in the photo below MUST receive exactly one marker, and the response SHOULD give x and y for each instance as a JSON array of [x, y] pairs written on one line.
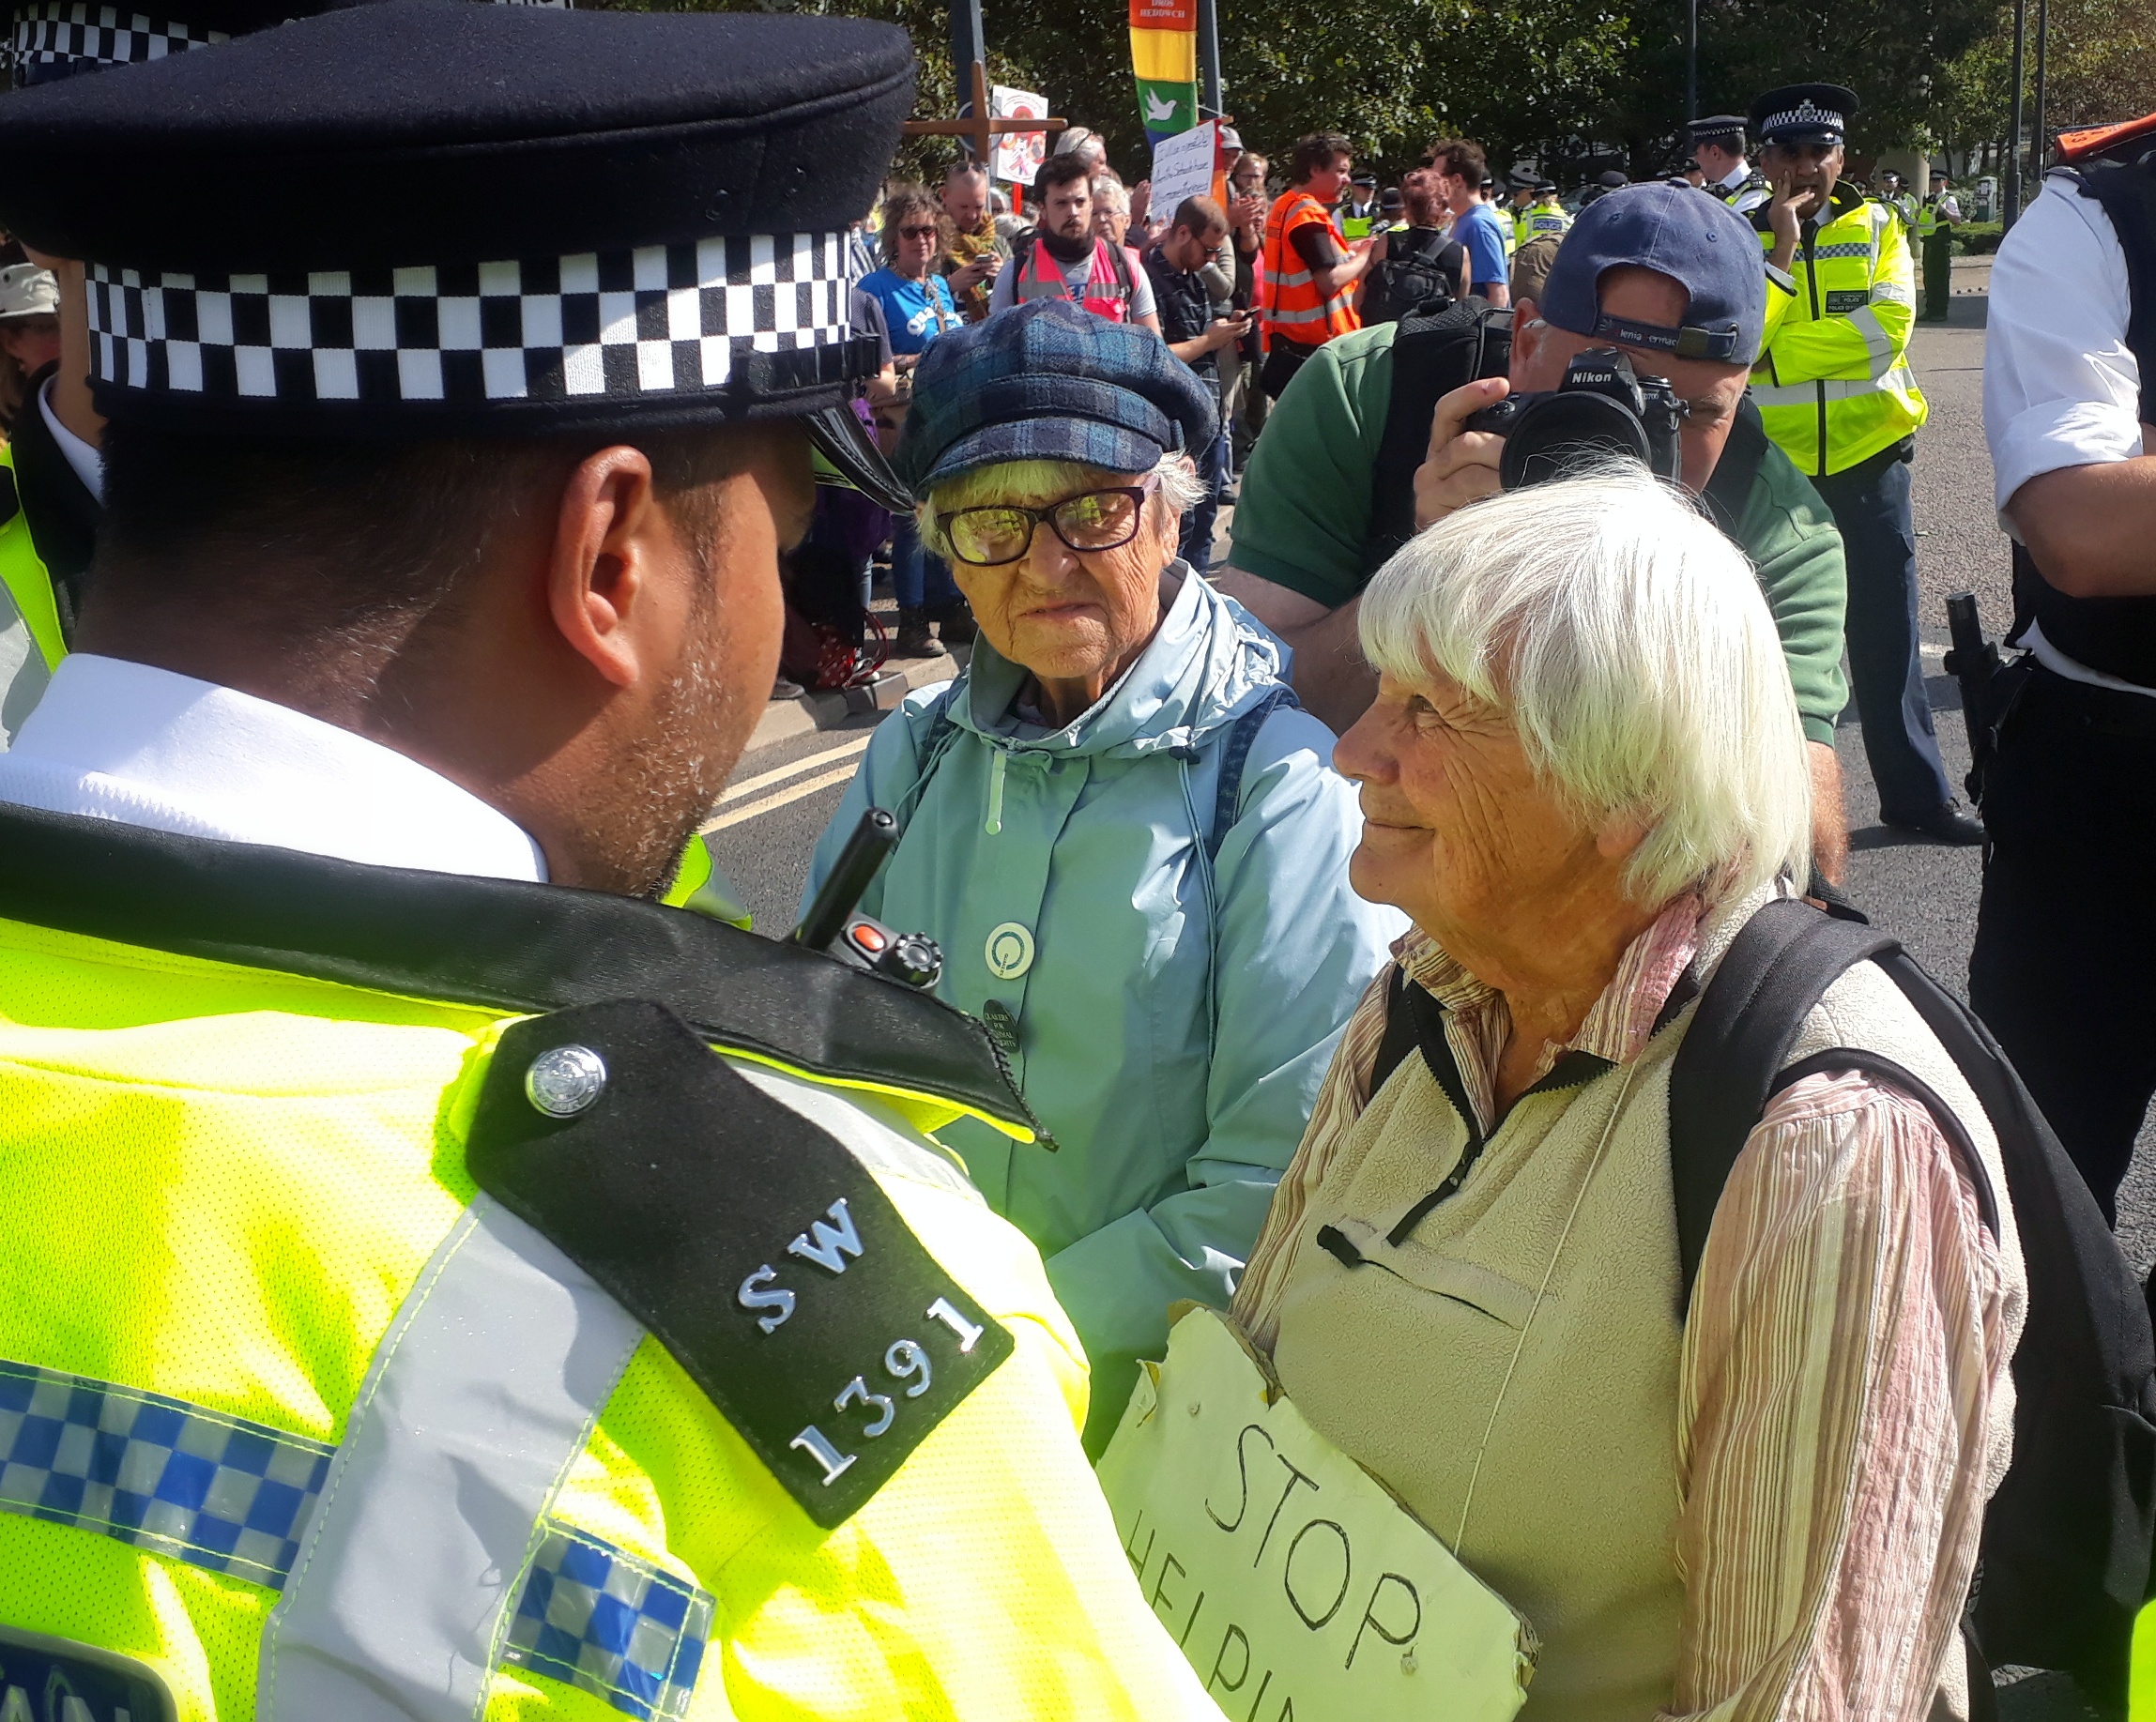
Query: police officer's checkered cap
[[430, 217]]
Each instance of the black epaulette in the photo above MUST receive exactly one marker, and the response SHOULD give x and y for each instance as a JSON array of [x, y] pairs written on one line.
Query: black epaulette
[[752, 1244]]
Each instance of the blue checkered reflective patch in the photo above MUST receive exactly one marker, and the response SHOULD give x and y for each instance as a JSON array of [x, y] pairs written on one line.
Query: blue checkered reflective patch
[[621, 1627], [215, 1491]]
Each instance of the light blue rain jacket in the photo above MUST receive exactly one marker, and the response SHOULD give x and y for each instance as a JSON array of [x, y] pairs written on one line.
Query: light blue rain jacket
[[1172, 1030]]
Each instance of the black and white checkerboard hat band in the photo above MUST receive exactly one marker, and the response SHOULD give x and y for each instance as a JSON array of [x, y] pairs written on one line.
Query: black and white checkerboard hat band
[[65, 36], [57, 37], [758, 317], [1806, 116]]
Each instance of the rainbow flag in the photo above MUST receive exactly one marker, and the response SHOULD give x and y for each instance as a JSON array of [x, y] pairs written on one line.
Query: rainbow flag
[[1164, 57]]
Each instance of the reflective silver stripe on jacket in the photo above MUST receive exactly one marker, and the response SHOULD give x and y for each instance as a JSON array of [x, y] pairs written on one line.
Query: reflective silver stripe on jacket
[[481, 1395], [1837, 388]]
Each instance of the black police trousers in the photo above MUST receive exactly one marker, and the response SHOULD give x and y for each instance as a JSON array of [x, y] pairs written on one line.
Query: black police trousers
[[2064, 967]]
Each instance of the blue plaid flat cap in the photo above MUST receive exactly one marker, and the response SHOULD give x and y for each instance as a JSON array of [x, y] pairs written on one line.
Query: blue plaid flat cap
[[1048, 381]]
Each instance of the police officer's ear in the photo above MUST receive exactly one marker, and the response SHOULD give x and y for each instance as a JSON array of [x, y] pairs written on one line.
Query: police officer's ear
[[1528, 332], [615, 554]]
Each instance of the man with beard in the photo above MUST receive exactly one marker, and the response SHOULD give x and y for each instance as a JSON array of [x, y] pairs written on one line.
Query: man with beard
[[442, 1280], [1066, 259], [977, 253]]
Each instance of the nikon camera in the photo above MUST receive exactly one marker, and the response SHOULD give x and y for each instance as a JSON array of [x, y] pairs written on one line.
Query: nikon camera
[[1600, 410]]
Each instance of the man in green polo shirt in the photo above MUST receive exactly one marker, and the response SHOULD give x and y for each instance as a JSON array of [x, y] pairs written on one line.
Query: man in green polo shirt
[[1641, 270]]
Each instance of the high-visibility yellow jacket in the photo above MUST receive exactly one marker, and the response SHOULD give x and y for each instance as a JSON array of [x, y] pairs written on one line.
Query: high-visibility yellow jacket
[[362, 1349], [1833, 382], [26, 593], [1543, 216]]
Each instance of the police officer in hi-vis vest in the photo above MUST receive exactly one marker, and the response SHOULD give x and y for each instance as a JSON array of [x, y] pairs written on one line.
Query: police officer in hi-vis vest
[[1718, 145], [1834, 387], [441, 1281]]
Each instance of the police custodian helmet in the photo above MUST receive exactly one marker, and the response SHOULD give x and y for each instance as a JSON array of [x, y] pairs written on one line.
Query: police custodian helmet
[[463, 219]]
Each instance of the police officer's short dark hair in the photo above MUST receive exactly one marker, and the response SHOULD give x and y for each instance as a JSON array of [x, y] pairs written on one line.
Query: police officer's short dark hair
[[1317, 152], [1060, 171], [1459, 157], [338, 534]]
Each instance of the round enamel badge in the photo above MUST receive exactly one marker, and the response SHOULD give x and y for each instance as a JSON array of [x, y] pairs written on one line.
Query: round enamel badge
[[1010, 950]]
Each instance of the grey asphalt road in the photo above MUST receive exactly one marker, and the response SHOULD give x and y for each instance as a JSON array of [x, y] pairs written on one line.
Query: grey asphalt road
[[1926, 894]]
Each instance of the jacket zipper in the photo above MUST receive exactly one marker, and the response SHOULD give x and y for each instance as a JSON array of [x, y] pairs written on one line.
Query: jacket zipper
[[1812, 282]]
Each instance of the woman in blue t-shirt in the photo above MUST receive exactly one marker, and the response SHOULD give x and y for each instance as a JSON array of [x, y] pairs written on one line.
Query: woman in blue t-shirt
[[917, 308]]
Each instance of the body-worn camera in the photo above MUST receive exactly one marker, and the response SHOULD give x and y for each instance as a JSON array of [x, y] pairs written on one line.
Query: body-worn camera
[[1599, 410]]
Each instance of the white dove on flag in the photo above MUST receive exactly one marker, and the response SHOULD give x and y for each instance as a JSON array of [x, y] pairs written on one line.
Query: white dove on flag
[[1158, 111]]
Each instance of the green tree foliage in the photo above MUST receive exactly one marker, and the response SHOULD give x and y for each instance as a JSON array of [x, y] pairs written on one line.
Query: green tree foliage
[[1887, 51], [1523, 78], [2100, 69]]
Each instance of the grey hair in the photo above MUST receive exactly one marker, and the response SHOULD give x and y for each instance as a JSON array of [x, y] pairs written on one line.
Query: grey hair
[[1108, 190], [1629, 642], [1181, 487]]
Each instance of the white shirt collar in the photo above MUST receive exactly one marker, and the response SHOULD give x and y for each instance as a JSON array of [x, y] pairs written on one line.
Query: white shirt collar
[[1736, 176], [89, 465], [117, 741]]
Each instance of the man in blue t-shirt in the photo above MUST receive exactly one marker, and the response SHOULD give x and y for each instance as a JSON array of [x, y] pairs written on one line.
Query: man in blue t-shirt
[[1461, 167]]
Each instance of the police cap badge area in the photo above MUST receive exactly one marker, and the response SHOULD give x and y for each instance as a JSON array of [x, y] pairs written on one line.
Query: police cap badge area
[[755, 1248], [488, 220], [1804, 113]]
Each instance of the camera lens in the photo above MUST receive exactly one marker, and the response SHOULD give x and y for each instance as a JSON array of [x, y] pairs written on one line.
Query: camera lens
[[1565, 434]]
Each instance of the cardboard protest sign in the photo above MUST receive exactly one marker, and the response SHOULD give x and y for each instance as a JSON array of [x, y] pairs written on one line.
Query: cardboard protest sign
[[1183, 167], [1295, 1584]]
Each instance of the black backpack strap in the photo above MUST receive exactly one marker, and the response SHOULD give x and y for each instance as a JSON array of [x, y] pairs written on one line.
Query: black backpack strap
[[2128, 194], [1431, 356], [1242, 737], [1401, 1034], [1771, 978], [940, 734]]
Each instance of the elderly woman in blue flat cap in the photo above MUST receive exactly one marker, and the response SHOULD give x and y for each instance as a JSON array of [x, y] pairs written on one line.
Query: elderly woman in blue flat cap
[[1128, 838]]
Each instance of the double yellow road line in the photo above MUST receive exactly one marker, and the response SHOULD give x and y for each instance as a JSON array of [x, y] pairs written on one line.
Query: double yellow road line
[[753, 797]]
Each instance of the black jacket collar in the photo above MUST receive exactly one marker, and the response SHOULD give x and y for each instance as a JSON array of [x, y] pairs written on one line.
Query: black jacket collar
[[493, 943]]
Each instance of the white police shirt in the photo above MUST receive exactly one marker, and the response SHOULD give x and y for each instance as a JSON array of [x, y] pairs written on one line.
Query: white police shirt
[[22, 672], [146, 747], [2061, 386]]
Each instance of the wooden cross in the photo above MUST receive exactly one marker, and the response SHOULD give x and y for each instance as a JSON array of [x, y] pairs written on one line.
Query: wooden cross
[[983, 129]]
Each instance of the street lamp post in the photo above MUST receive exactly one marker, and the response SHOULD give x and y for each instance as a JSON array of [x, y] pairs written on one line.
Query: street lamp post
[[2012, 212], [2036, 142], [1692, 59], [969, 48], [1209, 57]]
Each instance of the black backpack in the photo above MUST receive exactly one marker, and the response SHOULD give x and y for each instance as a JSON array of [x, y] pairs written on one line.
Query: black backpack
[[2064, 1561], [1410, 279]]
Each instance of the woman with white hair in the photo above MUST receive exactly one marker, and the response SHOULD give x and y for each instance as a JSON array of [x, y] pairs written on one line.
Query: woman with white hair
[[1583, 773], [1118, 825]]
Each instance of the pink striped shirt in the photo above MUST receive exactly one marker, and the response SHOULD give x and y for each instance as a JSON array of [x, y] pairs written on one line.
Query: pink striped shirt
[[1846, 1343]]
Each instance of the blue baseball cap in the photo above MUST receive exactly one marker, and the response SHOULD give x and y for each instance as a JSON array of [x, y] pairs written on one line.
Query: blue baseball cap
[[1048, 381], [1699, 242]]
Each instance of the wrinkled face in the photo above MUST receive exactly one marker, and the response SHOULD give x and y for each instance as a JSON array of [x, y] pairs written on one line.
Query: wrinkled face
[[1110, 220], [966, 201], [1711, 391], [1812, 169], [1458, 830], [1070, 614], [1067, 210]]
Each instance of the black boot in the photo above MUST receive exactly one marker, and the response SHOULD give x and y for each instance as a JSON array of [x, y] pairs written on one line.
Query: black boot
[[955, 621], [914, 640]]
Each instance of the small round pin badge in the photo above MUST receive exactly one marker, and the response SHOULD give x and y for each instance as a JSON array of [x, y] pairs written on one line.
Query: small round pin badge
[[1010, 950]]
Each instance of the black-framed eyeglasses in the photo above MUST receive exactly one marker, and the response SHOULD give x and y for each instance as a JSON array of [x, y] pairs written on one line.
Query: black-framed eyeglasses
[[998, 533]]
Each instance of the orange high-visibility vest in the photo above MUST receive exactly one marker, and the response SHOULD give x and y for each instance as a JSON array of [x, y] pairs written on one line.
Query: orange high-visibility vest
[[1296, 308]]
